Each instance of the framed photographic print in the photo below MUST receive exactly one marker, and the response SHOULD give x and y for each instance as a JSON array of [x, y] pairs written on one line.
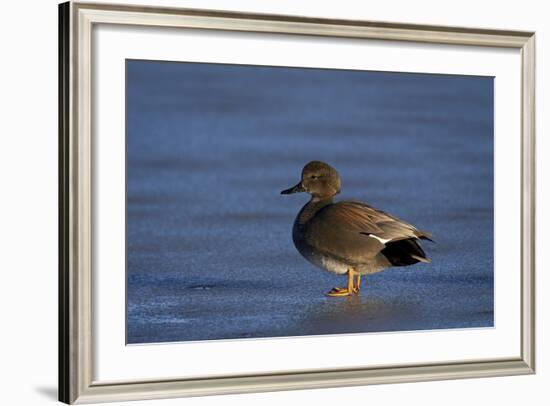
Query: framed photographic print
[[262, 202]]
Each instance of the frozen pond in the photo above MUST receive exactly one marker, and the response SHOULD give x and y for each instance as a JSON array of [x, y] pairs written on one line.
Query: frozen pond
[[210, 252]]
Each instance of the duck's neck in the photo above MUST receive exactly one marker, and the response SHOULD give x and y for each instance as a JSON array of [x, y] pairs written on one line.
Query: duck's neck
[[312, 207]]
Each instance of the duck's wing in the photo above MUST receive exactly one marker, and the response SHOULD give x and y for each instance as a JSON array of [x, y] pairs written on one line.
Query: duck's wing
[[361, 231], [377, 223]]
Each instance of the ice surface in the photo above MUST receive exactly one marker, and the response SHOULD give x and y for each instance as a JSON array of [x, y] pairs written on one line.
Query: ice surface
[[210, 253]]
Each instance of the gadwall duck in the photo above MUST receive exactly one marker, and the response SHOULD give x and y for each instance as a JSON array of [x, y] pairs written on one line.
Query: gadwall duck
[[349, 237]]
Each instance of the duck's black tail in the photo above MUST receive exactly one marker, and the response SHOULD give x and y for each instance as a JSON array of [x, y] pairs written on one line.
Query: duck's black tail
[[405, 252]]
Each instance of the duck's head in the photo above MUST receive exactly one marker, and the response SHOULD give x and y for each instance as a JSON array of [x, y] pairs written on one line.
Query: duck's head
[[319, 179]]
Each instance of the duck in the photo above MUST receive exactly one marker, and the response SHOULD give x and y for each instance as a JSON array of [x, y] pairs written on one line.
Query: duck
[[349, 238]]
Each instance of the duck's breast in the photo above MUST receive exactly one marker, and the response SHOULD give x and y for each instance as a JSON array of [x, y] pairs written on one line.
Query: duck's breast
[[313, 254]]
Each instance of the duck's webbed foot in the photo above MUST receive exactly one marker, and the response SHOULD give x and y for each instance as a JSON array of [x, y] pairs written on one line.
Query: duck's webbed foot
[[335, 292], [352, 288]]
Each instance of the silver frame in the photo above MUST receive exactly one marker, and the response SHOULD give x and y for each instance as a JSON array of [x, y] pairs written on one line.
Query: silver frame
[[76, 21]]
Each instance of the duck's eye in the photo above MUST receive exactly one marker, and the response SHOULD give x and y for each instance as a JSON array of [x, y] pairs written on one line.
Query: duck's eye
[[313, 177]]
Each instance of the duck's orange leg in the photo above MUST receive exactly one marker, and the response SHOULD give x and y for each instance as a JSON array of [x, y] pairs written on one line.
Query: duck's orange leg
[[350, 289], [357, 286]]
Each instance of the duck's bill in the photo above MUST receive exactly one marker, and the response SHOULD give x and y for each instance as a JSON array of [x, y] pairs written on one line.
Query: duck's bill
[[294, 189]]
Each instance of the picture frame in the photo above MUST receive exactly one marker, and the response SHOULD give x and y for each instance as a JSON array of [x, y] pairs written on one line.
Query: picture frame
[[77, 383]]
